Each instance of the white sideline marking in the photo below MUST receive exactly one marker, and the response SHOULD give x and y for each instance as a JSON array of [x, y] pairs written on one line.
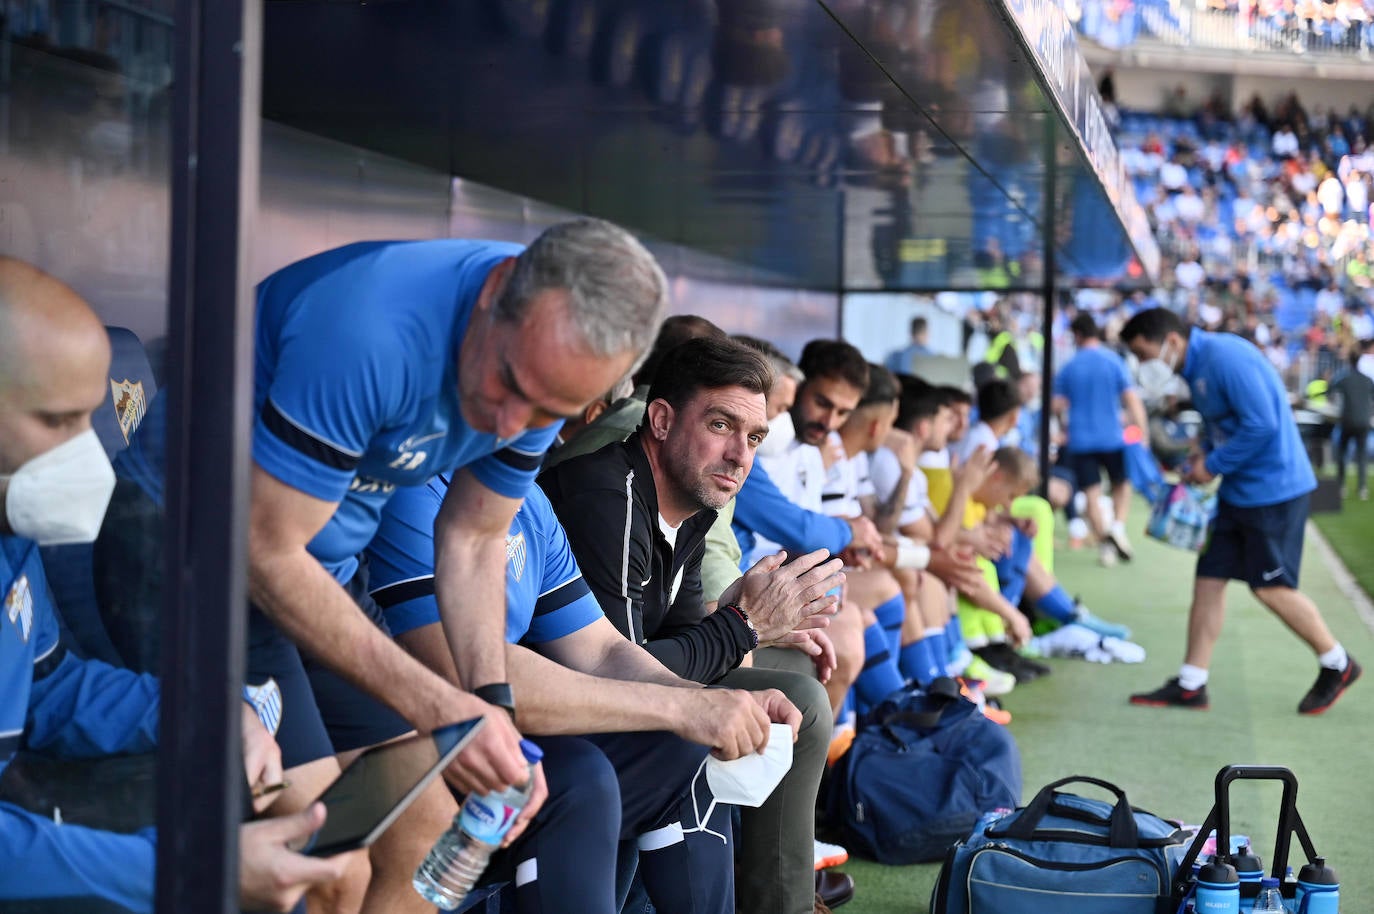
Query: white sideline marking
[[1345, 581]]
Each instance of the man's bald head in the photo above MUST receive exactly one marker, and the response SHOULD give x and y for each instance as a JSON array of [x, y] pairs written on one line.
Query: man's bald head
[[54, 363]]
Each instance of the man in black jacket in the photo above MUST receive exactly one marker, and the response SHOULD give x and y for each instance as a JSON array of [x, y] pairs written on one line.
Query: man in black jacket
[[1355, 391], [636, 514]]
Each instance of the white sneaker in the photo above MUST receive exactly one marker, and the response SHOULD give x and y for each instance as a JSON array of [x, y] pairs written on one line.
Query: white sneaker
[[1106, 555], [828, 855], [1117, 537]]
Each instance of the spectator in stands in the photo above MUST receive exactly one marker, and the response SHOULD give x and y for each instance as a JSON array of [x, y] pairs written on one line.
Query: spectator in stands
[[1355, 400], [1257, 536], [575, 674], [1089, 394], [54, 484], [637, 514], [903, 360], [458, 357]]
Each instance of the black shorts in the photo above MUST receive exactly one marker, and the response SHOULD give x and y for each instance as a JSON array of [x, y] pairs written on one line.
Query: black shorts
[[322, 713], [1087, 466], [1261, 546]]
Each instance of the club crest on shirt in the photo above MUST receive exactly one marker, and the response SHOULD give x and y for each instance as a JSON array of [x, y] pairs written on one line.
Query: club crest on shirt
[[515, 555], [19, 606], [130, 404]]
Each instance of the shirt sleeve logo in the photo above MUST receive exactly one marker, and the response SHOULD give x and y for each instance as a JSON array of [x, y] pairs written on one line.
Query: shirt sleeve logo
[[516, 553], [19, 606], [130, 403]]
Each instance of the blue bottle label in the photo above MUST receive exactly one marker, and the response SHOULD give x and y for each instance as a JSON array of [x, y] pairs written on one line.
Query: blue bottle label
[[487, 818]]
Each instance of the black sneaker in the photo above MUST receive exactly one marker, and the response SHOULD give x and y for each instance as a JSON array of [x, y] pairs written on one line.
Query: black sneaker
[[1328, 687], [1173, 695], [1003, 656]]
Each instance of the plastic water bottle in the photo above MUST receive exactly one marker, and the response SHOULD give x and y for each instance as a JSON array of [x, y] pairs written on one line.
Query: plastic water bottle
[[1269, 900], [460, 855], [1218, 888], [1319, 891]]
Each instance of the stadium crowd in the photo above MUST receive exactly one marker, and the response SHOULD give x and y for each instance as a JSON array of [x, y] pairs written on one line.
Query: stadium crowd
[[459, 510]]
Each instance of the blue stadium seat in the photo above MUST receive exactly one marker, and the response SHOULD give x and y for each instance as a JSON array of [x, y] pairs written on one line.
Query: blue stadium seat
[[69, 567]]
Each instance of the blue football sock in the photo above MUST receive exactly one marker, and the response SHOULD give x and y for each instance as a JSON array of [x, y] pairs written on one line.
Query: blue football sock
[[1058, 605], [890, 616], [939, 646], [880, 676], [917, 661], [954, 635]]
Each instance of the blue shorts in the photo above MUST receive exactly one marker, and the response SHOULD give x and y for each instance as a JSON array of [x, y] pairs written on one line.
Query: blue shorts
[[1086, 466], [322, 713], [1261, 546]]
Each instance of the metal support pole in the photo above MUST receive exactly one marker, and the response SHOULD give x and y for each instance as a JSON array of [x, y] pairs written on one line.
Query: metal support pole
[[209, 359], [1049, 215]]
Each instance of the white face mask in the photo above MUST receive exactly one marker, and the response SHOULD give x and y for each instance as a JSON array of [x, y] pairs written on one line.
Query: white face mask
[[781, 433], [746, 781], [1156, 375], [60, 496]]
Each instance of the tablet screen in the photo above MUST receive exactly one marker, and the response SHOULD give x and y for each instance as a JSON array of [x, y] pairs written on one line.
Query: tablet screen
[[379, 785]]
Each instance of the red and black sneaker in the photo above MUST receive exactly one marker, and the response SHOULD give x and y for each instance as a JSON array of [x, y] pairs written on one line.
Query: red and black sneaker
[[1173, 695], [1328, 687]]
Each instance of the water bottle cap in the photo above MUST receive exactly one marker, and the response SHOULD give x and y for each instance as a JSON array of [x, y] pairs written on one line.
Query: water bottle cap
[[1268, 882], [1318, 873], [1218, 871], [531, 752]]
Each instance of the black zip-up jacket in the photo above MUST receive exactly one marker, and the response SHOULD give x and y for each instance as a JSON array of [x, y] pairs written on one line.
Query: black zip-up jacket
[[607, 502]]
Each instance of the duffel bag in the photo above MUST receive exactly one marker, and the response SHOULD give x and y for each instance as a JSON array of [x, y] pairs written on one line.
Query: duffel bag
[[922, 769], [1063, 854]]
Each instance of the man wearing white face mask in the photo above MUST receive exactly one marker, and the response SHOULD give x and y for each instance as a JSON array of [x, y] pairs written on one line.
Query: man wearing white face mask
[[1254, 446], [55, 483]]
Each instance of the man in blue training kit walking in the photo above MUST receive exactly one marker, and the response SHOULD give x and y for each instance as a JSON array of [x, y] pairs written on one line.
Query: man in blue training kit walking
[[1266, 480]]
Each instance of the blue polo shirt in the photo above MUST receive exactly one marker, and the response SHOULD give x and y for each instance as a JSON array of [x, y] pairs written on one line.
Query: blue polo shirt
[[67, 708], [546, 597], [356, 385], [1093, 382], [1254, 443]]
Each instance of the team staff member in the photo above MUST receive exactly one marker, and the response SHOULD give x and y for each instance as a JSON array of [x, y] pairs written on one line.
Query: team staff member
[[637, 514], [1091, 390], [55, 482], [577, 675], [1266, 481], [382, 364]]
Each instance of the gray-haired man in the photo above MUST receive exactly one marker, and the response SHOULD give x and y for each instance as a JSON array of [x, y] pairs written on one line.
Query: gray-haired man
[[382, 364]]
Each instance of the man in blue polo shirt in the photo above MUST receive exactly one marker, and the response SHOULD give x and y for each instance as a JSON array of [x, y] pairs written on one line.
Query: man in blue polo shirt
[[1266, 480], [576, 674], [380, 365], [1089, 394], [55, 482]]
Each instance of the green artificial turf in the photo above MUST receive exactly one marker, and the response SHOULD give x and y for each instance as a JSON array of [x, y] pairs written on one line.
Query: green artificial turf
[[1077, 721], [1350, 532]]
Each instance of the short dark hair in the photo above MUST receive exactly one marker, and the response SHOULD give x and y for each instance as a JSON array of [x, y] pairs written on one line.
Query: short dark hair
[[919, 401], [1083, 325], [955, 395], [708, 363], [918, 325], [1152, 325], [882, 387], [996, 398], [834, 359], [673, 332]]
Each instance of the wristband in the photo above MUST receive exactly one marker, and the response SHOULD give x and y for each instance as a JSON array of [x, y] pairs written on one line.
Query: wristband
[[265, 700], [744, 617], [499, 694], [911, 554]]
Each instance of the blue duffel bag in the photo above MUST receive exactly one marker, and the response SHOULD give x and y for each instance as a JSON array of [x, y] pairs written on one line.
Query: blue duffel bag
[[922, 769], [1064, 854]]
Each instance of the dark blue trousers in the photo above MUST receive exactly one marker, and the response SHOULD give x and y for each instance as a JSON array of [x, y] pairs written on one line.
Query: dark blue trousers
[[609, 788]]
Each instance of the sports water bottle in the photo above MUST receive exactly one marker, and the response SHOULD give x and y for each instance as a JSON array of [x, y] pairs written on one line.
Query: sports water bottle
[[1249, 868], [1218, 888], [460, 855], [1319, 891], [1269, 900]]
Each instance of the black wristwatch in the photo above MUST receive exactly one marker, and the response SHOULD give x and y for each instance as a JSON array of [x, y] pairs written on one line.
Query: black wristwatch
[[499, 694]]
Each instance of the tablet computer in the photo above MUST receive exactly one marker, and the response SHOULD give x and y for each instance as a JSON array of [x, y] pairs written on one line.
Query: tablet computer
[[381, 783]]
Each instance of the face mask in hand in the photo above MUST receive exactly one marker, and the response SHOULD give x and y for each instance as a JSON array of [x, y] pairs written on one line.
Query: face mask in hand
[[60, 496], [746, 781]]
